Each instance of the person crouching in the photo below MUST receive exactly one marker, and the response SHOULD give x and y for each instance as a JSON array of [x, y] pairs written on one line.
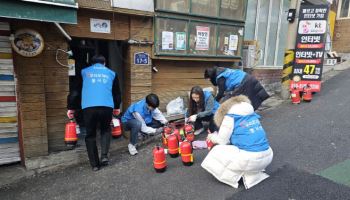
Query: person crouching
[[143, 117], [242, 149]]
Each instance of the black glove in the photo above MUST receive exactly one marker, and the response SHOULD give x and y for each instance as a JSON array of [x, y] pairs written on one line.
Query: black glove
[[159, 130]]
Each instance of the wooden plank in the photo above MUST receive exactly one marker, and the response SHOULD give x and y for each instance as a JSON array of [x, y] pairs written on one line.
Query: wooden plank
[[8, 113], [7, 99], [8, 134], [9, 160], [31, 98], [8, 129], [27, 107], [8, 61], [33, 114], [4, 26], [5, 44], [7, 104], [31, 89], [5, 56], [6, 77], [6, 71], [9, 140], [8, 119]]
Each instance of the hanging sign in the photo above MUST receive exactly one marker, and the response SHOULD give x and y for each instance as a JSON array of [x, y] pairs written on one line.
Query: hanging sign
[[100, 25], [309, 48], [27, 42], [141, 58], [202, 39]]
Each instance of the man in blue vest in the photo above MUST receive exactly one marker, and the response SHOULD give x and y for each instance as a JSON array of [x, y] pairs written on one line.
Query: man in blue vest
[[100, 99], [233, 82], [143, 117]]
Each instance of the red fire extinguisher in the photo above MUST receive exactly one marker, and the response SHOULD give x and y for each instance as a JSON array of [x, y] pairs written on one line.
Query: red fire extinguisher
[[186, 153], [307, 93], [295, 96], [165, 135], [116, 128], [173, 146], [70, 135], [176, 132], [189, 131], [159, 160]]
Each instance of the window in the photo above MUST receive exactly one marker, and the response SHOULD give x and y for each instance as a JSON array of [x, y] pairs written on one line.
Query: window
[[343, 9], [230, 40], [175, 36], [227, 9], [267, 24], [233, 9], [171, 36], [205, 7], [202, 39], [174, 5]]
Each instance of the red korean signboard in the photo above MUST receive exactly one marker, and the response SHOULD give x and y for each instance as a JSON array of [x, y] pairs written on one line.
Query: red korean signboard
[[309, 48]]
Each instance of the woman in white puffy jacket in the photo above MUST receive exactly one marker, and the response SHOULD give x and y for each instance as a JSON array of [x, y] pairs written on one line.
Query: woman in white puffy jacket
[[242, 149]]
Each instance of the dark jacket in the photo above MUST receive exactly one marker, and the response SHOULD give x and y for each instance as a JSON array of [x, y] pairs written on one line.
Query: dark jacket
[[252, 88]]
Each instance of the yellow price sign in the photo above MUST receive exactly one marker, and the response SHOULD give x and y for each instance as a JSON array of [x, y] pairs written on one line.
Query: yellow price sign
[[309, 69]]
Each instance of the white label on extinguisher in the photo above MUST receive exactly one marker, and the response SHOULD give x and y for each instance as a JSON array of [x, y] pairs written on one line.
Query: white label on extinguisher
[[77, 129], [294, 95], [116, 122]]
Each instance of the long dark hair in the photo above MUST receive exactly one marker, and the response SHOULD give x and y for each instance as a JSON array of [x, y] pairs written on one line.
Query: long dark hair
[[194, 107]]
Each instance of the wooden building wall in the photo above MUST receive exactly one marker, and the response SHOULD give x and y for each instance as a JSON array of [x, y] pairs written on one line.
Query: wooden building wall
[[176, 78], [120, 29], [138, 81], [42, 92], [341, 38]]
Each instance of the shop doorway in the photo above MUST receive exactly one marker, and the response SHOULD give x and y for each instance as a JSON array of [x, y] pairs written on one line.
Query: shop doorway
[[85, 48]]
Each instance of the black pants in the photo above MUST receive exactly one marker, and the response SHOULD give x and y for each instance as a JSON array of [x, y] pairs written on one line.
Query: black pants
[[209, 120], [93, 117]]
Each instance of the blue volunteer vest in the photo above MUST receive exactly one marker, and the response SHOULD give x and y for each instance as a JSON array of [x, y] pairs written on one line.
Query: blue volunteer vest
[[141, 108], [207, 94], [233, 78], [97, 86], [248, 134]]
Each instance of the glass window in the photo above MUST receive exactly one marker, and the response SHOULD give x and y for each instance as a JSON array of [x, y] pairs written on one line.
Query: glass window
[[274, 23], [205, 7], [262, 28], [171, 36], [233, 9], [202, 39], [344, 9], [230, 41], [174, 5], [249, 31]]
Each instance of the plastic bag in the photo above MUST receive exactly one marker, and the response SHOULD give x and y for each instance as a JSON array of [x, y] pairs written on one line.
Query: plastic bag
[[175, 106]]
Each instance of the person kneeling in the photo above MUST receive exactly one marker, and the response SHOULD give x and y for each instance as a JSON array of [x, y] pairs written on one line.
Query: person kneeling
[[242, 149], [143, 116], [202, 107]]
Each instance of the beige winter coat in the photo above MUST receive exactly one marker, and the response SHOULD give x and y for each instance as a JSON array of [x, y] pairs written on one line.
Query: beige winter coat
[[227, 162]]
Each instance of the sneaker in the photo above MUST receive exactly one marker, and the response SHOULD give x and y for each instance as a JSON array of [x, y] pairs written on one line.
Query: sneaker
[[132, 149], [199, 131], [104, 161], [95, 169]]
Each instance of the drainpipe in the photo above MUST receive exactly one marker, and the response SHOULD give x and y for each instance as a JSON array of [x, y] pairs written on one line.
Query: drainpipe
[[63, 31]]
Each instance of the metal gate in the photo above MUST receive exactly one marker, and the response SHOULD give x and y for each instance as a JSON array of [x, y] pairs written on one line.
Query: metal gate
[[9, 146]]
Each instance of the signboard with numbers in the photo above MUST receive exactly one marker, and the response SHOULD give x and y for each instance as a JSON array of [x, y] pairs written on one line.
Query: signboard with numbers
[[141, 58], [309, 48]]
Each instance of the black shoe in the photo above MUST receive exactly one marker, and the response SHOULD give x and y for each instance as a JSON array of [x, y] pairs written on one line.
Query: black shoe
[[104, 161], [95, 169]]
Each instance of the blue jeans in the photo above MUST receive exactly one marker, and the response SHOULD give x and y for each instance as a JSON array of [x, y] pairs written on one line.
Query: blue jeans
[[134, 126]]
